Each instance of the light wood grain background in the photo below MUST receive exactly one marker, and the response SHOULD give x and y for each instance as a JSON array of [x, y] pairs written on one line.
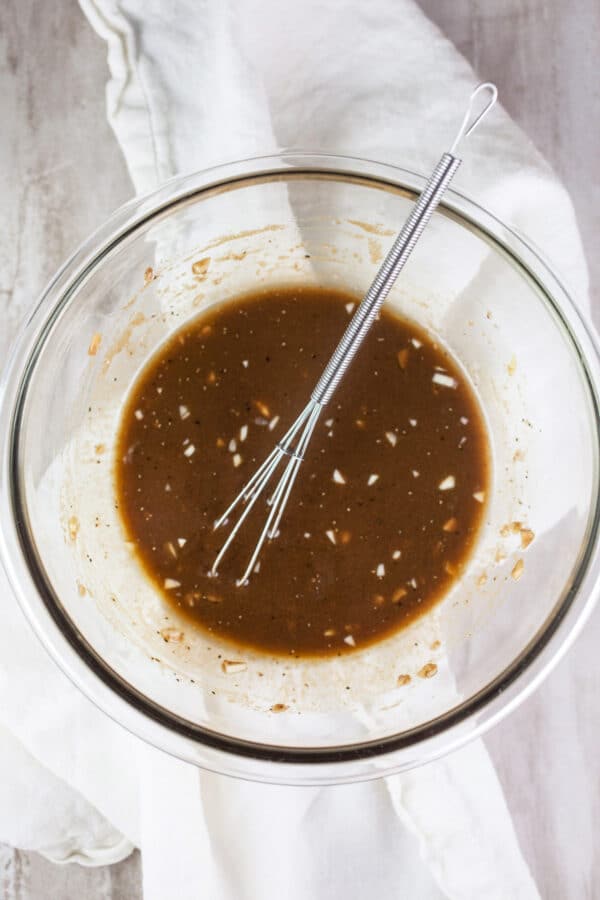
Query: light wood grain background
[[61, 173]]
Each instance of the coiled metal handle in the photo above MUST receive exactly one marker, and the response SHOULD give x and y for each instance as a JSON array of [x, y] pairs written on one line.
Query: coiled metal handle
[[391, 267]]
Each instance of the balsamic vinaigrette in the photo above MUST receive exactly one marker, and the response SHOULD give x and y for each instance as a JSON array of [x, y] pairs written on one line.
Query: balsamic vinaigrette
[[388, 502]]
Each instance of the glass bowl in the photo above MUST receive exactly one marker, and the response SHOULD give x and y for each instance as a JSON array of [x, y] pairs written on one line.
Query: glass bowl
[[295, 218]]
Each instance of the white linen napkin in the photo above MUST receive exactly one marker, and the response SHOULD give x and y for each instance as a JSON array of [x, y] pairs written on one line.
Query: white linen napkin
[[195, 83]]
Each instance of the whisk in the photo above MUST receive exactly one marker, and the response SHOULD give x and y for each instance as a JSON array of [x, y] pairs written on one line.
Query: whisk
[[294, 443]]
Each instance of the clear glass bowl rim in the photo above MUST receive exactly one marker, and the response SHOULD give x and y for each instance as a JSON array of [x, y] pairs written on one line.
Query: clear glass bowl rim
[[156, 725]]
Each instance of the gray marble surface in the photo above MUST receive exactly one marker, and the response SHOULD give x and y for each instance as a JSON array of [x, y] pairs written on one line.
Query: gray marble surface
[[61, 173]]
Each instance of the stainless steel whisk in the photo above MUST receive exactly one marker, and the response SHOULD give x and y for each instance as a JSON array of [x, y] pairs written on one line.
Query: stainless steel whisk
[[293, 445]]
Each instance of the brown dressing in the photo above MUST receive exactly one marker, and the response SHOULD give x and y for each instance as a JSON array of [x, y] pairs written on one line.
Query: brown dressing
[[387, 505]]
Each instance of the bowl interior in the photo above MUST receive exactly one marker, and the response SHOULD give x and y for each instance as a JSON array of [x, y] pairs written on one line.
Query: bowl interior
[[304, 225]]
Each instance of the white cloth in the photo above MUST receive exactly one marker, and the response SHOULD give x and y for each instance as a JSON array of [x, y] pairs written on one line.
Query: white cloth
[[192, 83]]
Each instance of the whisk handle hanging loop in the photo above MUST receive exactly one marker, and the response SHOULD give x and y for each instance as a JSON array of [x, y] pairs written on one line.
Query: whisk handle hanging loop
[[391, 267]]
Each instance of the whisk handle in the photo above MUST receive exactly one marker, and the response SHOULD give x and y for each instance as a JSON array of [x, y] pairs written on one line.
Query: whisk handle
[[391, 267]]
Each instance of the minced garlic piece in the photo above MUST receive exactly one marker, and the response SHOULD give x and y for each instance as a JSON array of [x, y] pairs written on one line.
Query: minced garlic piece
[[233, 666], [171, 635], [517, 570], [402, 357], [200, 267], [444, 380], [428, 670], [263, 409], [94, 344], [399, 594], [73, 527], [527, 537]]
